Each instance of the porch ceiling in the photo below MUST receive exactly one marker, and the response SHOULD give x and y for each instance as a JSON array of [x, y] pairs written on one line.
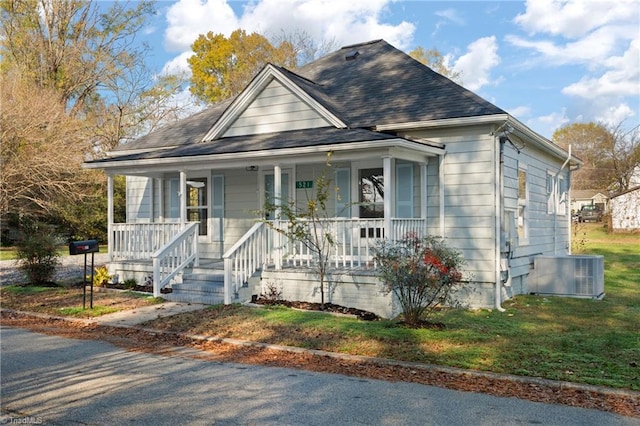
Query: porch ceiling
[[267, 148]]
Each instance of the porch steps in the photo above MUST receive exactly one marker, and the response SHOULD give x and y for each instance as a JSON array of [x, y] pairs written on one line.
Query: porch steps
[[199, 285]]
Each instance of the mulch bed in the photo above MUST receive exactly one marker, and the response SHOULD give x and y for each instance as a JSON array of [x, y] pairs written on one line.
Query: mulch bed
[[137, 287], [327, 307]]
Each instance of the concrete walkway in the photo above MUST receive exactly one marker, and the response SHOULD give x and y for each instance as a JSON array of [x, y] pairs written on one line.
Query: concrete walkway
[[137, 316]]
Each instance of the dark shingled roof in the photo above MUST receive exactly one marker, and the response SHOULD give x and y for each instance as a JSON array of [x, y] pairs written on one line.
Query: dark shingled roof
[[186, 131], [381, 85], [261, 142]]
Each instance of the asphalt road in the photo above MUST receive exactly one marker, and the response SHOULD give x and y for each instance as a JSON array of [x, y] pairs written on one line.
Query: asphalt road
[[59, 381]]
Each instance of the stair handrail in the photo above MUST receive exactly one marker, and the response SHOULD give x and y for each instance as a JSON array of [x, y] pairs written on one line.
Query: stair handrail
[[174, 256], [244, 258]]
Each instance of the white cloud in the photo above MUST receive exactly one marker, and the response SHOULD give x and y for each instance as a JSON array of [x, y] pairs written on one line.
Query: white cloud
[[475, 66], [186, 19], [178, 65], [547, 124], [599, 40], [345, 22], [621, 79], [336, 21], [451, 15], [589, 50], [574, 18], [614, 114], [520, 111]]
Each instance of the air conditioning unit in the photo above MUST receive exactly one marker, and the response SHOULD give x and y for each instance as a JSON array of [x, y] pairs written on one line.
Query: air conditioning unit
[[568, 275]]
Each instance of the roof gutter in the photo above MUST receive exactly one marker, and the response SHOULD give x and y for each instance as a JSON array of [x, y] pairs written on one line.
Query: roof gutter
[[501, 119], [241, 158]]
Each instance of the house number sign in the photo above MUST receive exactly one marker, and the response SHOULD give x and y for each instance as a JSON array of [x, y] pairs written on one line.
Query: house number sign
[[304, 184]]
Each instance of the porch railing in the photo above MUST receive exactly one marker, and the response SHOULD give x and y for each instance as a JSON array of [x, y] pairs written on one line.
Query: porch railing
[[176, 255], [265, 245], [401, 228], [243, 259], [354, 240], [140, 240]]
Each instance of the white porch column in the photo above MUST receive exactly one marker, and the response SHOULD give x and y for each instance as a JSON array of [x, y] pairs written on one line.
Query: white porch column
[[152, 198], [110, 217], [423, 190], [183, 197], [161, 200], [389, 196], [277, 201]]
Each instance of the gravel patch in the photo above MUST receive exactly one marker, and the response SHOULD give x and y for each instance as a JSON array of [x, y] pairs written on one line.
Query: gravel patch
[[71, 267]]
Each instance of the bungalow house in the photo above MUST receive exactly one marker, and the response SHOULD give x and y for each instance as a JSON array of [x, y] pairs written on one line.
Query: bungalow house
[[589, 197], [412, 151]]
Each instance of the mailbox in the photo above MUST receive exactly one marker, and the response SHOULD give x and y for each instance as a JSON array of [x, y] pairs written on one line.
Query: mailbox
[[82, 247]]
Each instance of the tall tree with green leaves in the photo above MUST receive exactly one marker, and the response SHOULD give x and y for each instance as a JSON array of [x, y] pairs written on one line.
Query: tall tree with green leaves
[[436, 61], [222, 67]]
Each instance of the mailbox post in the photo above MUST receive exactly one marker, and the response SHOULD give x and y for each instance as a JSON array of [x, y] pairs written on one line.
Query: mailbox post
[[85, 247]]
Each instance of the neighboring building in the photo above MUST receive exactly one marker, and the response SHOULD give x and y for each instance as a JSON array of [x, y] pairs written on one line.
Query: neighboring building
[[589, 197], [412, 151], [625, 210]]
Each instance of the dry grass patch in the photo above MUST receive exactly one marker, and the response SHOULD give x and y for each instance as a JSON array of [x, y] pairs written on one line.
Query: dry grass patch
[[65, 301]]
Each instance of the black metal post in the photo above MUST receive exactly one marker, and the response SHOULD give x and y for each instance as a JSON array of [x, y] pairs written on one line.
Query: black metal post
[[84, 283], [92, 271]]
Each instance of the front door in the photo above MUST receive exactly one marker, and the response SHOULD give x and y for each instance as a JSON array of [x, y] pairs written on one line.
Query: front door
[[198, 204]]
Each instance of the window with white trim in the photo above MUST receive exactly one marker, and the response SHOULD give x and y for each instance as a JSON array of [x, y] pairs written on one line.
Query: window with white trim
[[556, 194], [371, 188], [563, 195], [551, 193], [523, 205]]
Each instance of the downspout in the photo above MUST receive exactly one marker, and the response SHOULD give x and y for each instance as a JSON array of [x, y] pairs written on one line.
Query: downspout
[[441, 194], [555, 205], [499, 201]]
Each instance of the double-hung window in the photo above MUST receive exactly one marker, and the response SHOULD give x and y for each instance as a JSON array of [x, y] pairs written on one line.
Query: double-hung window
[[523, 205], [556, 194]]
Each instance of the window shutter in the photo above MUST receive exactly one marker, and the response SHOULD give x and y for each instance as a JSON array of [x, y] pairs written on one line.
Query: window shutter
[[343, 192], [217, 182]]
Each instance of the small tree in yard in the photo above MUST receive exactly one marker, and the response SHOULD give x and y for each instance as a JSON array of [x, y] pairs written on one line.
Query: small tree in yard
[[37, 252], [423, 273], [308, 223]]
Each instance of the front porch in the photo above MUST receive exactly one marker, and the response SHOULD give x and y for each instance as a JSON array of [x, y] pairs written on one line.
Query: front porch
[[169, 256], [216, 210]]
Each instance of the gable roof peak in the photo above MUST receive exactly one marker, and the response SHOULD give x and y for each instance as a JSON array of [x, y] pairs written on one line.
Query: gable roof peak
[[298, 86], [353, 46]]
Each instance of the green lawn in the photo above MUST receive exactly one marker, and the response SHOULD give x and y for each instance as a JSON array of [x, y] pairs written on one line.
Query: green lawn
[[578, 340]]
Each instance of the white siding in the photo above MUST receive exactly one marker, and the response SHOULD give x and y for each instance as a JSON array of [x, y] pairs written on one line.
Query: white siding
[[138, 199], [548, 233], [275, 109], [356, 290], [469, 197], [242, 201]]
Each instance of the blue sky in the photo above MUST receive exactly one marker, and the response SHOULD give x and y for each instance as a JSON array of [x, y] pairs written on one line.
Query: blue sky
[[548, 63]]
